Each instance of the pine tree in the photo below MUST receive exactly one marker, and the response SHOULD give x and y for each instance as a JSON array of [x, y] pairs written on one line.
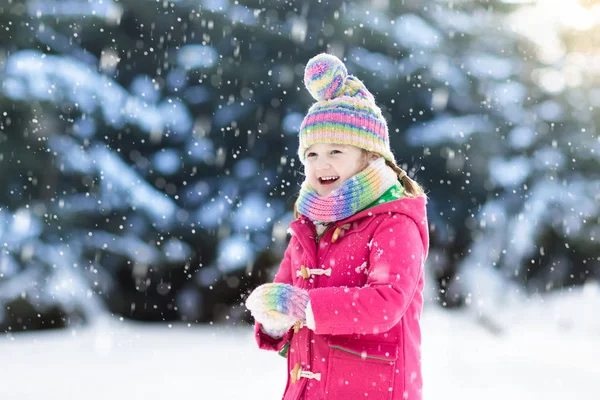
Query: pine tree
[[148, 149]]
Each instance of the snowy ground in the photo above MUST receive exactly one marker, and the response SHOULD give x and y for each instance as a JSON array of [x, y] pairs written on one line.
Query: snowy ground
[[546, 349]]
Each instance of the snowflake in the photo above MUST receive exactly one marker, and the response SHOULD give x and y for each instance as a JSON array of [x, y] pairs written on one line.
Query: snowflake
[[362, 268]]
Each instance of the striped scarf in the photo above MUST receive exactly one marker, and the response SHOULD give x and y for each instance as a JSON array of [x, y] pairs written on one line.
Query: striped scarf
[[354, 195]]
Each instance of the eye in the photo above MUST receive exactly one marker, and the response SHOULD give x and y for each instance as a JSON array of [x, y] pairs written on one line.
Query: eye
[[311, 154], [336, 152]]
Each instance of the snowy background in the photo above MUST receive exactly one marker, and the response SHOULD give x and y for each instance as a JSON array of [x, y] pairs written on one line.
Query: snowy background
[[148, 174], [543, 349]]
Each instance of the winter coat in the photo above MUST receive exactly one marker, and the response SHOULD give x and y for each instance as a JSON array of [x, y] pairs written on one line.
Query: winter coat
[[366, 303]]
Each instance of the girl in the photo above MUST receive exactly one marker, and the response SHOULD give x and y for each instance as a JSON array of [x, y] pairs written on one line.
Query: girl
[[347, 299]]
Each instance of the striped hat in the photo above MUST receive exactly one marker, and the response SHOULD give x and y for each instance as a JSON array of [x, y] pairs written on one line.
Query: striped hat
[[345, 111]]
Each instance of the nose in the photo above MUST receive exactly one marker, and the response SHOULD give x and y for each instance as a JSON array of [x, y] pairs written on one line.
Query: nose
[[323, 163]]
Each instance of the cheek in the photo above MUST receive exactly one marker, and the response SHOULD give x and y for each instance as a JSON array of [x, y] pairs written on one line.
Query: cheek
[[309, 172], [355, 169]]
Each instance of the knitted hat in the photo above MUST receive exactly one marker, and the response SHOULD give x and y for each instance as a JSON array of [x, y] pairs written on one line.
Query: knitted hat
[[345, 111]]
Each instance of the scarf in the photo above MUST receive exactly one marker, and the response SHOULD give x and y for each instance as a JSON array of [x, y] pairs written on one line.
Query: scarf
[[394, 193], [354, 195]]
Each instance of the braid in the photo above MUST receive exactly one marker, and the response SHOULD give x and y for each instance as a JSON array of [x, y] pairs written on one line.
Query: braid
[[411, 188]]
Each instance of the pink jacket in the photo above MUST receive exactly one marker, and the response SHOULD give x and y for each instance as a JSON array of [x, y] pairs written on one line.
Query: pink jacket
[[366, 298]]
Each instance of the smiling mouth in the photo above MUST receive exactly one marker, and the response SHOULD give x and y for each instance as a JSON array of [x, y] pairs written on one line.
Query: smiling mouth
[[328, 180]]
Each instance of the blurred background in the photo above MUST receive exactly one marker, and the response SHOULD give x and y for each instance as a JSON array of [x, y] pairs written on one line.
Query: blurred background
[[148, 172]]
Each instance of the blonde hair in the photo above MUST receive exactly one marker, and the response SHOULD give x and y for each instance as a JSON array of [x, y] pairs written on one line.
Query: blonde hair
[[411, 188]]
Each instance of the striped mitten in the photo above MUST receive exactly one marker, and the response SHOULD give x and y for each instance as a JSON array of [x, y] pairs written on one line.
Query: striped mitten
[[277, 306]]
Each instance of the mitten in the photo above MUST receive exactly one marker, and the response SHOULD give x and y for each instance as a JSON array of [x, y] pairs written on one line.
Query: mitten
[[273, 324], [276, 305]]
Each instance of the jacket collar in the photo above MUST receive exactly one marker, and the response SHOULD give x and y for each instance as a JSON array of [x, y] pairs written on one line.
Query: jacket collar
[[412, 207]]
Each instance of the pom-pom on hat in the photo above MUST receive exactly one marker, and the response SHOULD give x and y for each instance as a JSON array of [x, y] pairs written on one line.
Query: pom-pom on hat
[[345, 111]]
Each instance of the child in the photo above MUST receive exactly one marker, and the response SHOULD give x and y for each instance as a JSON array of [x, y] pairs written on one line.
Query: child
[[347, 299]]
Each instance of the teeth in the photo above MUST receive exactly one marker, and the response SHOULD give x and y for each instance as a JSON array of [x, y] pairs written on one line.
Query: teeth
[[329, 178]]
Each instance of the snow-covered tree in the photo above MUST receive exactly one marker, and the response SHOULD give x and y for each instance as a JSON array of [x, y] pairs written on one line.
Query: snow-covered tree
[[147, 149]]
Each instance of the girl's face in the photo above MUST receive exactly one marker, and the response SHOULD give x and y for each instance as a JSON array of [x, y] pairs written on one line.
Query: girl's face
[[328, 166]]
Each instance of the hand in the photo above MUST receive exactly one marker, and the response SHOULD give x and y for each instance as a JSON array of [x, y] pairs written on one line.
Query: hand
[[278, 304]]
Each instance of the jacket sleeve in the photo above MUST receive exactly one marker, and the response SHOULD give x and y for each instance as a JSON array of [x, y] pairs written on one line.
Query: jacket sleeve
[[395, 269], [283, 275]]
